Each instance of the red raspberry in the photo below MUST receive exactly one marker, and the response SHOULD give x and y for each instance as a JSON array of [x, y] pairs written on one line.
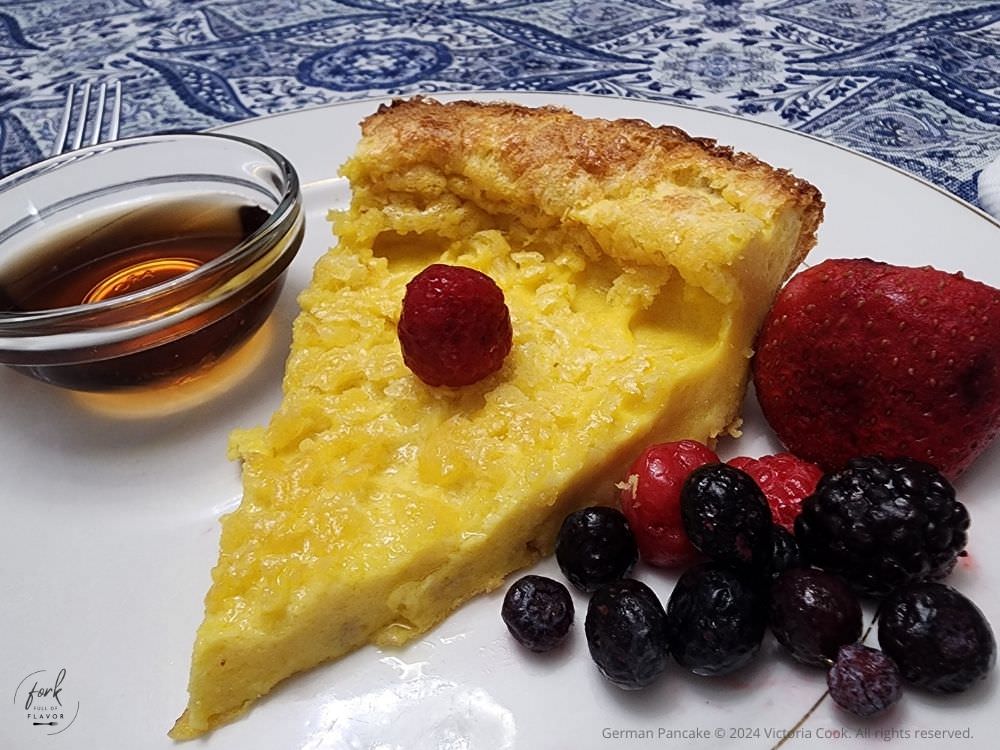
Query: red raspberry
[[455, 326], [651, 500], [786, 481]]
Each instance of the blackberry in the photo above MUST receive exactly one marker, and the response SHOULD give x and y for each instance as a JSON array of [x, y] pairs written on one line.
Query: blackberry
[[538, 612], [940, 639], [813, 614], [726, 516], [864, 680], [882, 524], [627, 634], [595, 546], [716, 618]]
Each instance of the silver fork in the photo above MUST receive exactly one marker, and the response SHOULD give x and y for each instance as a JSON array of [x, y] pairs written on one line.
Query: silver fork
[[63, 142]]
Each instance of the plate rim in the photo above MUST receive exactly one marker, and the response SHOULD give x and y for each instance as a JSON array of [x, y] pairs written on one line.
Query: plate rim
[[273, 729]]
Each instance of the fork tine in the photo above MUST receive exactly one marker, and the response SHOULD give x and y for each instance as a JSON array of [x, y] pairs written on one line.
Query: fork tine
[[63, 133], [102, 95], [116, 112], [81, 126]]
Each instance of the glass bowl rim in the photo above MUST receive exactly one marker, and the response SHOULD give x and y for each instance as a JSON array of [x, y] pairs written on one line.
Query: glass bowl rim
[[226, 266]]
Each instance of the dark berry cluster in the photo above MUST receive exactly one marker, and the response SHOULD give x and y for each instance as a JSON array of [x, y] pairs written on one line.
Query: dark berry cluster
[[877, 527], [883, 524]]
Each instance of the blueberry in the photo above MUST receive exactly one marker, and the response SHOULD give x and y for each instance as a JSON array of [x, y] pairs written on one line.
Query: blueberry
[[813, 614], [716, 618], [864, 681], [940, 640], [786, 554], [595, 546], [626, 633], [726, 516], [538, 612]]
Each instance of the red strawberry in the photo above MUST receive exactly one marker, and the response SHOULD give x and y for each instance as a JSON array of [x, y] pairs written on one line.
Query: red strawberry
[[455, 326], [786, 481], [651, 500], [858, 357]]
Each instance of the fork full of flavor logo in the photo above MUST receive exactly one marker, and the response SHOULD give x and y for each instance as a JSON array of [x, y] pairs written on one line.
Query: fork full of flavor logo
[[45, 701]]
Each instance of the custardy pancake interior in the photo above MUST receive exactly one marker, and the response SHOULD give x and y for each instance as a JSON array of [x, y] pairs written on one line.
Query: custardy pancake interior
[[637, 264]]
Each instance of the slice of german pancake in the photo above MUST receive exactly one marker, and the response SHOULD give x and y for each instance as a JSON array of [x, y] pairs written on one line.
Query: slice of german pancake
[[637, 264]]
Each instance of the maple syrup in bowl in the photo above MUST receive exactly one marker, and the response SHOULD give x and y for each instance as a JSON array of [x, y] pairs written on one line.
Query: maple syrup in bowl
[[143, 261]]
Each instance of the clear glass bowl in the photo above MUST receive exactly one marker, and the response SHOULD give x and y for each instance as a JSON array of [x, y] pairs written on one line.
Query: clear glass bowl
[[139, 261]]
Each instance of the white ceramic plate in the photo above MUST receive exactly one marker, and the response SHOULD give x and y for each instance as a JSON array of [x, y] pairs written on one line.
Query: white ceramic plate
[[110, 530]]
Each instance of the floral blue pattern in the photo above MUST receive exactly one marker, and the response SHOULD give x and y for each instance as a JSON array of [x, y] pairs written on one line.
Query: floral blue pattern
[[914, 83]]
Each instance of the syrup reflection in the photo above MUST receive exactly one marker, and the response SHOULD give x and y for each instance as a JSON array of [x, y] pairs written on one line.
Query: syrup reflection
[[190, 390], [421, 712]]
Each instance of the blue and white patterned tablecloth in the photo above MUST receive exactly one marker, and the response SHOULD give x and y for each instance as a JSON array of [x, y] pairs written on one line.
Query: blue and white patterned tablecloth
[[913, 82]]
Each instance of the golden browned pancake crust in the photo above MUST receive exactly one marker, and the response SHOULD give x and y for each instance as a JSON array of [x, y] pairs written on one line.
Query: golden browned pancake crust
[[552, 145]]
